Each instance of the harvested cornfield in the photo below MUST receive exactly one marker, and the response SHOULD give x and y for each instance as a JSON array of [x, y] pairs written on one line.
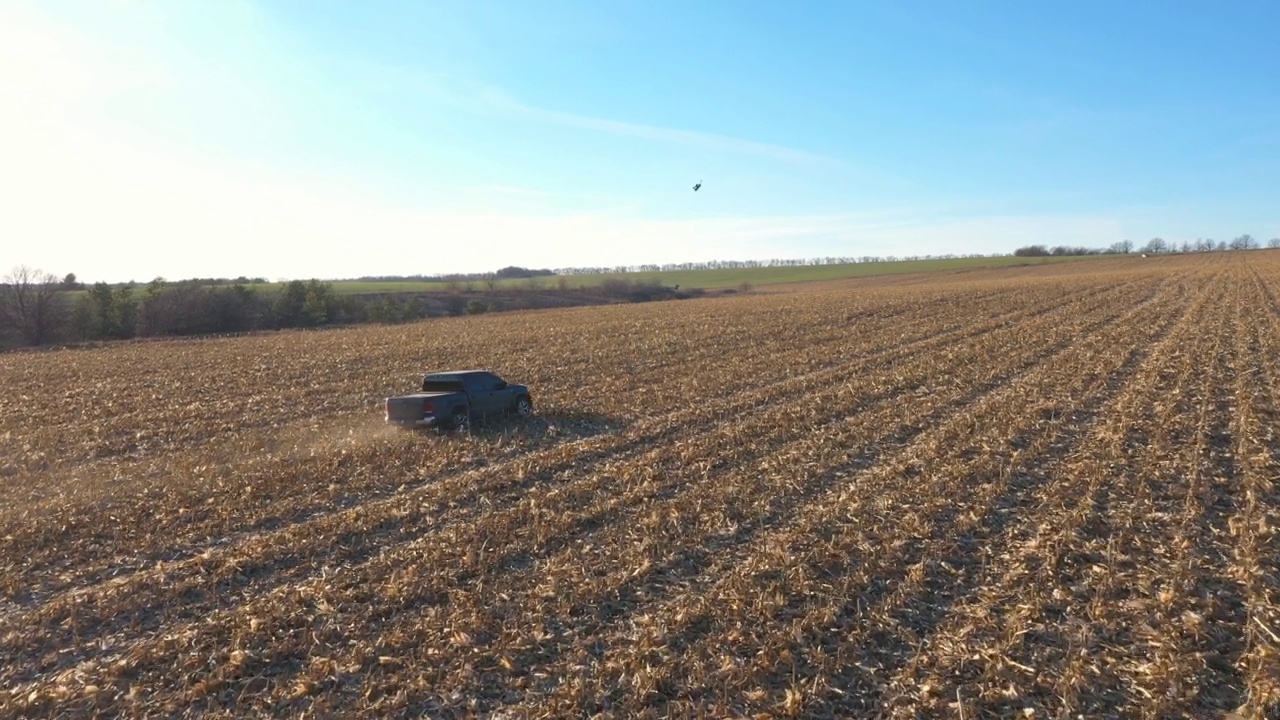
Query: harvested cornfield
[[1031, 492]]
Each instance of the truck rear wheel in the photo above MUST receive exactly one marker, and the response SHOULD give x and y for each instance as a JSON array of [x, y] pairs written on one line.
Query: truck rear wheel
[[461, 421]]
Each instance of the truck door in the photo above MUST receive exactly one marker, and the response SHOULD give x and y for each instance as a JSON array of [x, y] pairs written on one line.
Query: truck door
[[500, 394], [480, 388]]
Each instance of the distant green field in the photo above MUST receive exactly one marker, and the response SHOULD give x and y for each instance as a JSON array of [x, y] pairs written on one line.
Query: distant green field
[[712, 279], [709, 279]]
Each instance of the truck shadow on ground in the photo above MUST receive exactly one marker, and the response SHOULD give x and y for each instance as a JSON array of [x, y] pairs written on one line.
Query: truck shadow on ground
[[543, 426]]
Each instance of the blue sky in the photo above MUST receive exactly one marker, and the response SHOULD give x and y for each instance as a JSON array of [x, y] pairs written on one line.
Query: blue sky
[[332, 139]]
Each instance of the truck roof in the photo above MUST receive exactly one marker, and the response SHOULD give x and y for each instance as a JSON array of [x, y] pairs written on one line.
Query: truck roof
[[448, 373]]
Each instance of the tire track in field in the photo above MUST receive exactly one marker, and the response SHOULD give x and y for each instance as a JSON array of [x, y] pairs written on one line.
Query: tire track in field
[[911, 626], [890, 342], [1203, 497], [666, 427], [47, 539], [1046, 570], [1142, 555], [126, 616], [1257, 524], [246, 418], [720, 562], [1110, 518], [435, 660], [951, 534]]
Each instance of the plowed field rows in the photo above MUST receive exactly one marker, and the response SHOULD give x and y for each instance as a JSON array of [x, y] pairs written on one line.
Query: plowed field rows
[[1047, 492]]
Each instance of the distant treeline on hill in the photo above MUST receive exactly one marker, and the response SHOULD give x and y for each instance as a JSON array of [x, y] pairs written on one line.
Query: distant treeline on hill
[[1154, 246], [747, 264], [39, 309], [519, 272], [36, 311], [505, 273]]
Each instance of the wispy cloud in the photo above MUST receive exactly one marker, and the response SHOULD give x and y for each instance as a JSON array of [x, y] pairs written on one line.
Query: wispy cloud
[[531, 194], [710, 141], [80, 196], [481, 98], [187, 216]]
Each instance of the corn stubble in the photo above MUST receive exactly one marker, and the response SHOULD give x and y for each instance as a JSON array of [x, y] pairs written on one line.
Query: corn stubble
[[1039, 492]]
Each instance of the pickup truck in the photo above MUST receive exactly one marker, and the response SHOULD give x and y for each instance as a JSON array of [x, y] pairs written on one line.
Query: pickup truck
[[451, 400]]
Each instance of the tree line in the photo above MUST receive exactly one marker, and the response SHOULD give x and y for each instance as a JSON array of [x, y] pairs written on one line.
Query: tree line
[[37, 308], [506, 273], [490, 279], [1154, 246], [749, 264]]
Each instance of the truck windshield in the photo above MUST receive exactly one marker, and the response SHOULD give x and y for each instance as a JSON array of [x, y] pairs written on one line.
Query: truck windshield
[[430, 385]]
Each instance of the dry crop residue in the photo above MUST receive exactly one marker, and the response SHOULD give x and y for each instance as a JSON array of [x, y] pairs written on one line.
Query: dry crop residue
[[1038, 492]]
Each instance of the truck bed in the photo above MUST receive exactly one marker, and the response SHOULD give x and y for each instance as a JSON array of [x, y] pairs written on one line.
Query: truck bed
[[419, 408]]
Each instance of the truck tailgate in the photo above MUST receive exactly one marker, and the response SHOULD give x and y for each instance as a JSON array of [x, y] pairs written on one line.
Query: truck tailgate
[[409, 409], [406, 409]]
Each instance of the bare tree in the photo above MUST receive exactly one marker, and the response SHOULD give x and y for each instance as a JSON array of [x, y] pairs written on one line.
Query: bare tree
[[31, 305], [1274, 242], [1243, 242]]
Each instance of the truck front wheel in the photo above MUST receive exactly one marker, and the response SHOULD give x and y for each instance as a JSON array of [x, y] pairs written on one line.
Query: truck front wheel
[[524, 406]]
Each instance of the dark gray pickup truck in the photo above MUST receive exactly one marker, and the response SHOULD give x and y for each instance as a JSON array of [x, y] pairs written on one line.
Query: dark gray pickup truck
[[451, 400]]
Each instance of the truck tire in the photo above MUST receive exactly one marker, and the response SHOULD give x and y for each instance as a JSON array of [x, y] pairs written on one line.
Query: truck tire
[[523, 407], [460, 421]]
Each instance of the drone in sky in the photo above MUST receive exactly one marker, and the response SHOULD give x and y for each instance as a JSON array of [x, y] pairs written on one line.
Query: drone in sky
[[695, 187]]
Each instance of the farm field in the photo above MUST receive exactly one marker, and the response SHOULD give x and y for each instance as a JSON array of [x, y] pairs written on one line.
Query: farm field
[[1048, 491], [731, 277]]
